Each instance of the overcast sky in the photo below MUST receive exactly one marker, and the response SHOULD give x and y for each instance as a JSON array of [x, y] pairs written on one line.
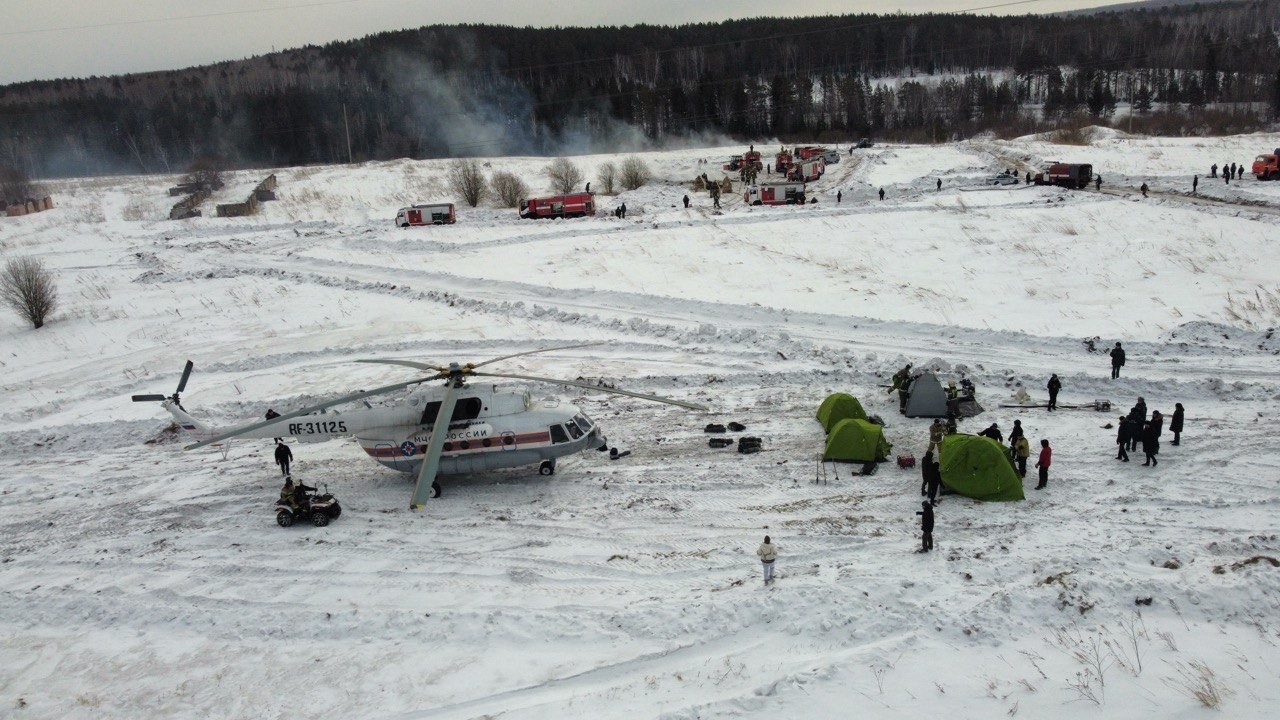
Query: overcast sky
[[79, 38]]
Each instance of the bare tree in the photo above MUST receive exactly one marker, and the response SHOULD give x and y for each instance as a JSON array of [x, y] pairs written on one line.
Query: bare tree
[[14, 185], [635, 172], [28, 288], [608, 177], [564, 175], [206, 172], [509, 188], [466, 179]]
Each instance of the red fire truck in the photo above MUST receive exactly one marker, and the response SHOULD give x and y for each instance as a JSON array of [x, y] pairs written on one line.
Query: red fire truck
[[809, 151], [437, 214], [778, 193], [1070, 175], [807, 170], [782, 162], [575, 205]]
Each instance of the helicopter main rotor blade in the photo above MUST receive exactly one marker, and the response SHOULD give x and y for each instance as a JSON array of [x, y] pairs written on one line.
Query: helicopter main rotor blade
[[589, 386], [406, 363], [186, 373], [534, 352], [309, 410], [148, 398], [435, 445]]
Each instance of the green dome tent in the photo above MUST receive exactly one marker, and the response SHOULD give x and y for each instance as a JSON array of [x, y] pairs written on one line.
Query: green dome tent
[[837, 407], [980, 468], [856, 440]]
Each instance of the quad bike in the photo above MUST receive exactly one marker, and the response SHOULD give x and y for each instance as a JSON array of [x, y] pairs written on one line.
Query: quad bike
[[319, 509]]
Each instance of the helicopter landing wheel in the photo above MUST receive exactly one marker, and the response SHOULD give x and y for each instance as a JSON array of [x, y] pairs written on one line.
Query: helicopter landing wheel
[[435, 489], [548, 467]]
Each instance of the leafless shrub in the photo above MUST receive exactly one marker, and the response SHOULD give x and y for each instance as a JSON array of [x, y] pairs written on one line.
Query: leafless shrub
[[1169, 641], [1090, 650], [14, 186], [608, 177], [635, 173], [466, 179], [28, 288], [509, 188], [564, 175], [206, 171], [1197, 681]]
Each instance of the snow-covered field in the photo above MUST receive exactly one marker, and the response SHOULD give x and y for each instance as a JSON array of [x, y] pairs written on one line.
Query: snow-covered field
[[140, 581]]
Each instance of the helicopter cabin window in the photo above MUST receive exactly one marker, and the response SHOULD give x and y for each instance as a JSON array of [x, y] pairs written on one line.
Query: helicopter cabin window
[[582, 422], [466, 409], [574, 432], [557, 434]]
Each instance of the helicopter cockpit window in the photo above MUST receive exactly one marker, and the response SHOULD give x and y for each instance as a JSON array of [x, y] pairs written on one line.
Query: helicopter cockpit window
[[466, 409], [574, 432], [557, 434], [583, 423]]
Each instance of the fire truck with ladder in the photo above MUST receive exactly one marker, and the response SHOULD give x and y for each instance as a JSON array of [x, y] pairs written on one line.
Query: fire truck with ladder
[[566, 206], [776, 193]]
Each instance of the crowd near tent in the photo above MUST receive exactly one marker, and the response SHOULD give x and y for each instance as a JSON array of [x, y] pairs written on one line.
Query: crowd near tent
[[837, 407], [854, 440], [980, 468], [925, 397]]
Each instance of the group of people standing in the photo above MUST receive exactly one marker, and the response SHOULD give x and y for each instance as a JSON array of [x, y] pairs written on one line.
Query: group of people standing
[[1136, 428], [1228, 171]]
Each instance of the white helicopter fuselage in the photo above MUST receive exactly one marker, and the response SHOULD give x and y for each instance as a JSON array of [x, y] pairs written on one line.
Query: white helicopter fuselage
[[491, 429]]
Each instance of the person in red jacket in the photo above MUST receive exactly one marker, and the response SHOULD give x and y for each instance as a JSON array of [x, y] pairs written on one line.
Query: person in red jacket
[[1046, 455]]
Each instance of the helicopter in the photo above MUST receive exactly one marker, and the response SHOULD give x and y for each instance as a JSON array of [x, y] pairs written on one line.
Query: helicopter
[[489, 427]]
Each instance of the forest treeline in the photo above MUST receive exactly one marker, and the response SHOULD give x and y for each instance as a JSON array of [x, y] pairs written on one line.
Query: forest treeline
[[447, 91]]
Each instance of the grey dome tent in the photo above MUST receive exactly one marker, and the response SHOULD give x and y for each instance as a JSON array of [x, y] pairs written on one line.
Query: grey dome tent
[[925, 397]]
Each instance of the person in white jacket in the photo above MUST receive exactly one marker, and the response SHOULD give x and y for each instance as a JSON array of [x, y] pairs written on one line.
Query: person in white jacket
[[768, 552]]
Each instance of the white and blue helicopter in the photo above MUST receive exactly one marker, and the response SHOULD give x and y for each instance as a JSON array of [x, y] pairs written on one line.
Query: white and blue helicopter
[[488, 428]]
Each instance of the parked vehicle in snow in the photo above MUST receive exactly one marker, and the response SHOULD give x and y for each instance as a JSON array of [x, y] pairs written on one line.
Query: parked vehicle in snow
[[831, 157], [319, 509], [1072, 175], [1003, 178], [864, 143], [434, 214], [568, 206], [807, 170], [1267, 166], [779, 193]]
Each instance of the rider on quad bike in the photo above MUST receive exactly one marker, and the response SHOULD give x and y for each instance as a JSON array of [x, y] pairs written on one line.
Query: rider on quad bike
[[296, 504]]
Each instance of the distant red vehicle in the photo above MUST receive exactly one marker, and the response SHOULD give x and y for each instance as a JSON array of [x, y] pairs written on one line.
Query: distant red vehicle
[[807, 170], [437, 214], [567, 206], [1267, 166], [1071, 175], [779, 193], [782, 162], [809, 151]]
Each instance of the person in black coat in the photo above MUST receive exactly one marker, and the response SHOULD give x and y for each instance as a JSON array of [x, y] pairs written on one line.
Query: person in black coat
[[1122, 438], [1015, 433], [1151, 439], [994, 433], [1117, 360], [1137, 420], [925, 462], [1054, 386], [1175, 424], [926, 525], [284, 456], [932, 478]]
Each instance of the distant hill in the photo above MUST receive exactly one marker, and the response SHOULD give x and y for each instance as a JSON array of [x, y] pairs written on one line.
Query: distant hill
[[445, 91]]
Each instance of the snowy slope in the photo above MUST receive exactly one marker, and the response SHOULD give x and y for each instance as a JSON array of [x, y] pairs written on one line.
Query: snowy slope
[[137, 580]]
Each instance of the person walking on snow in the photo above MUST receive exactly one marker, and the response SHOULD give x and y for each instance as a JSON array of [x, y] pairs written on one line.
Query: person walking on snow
[[768, 552], [1195, 182], [1213, 170], [1144, 189], [1175, 424], [937, 431], [686, 202], [839, 195], [1014, 434], [1117, 360], [284, 456], [1122, 439], [1137, 419], [1046, 457], [1054, 386], [882, 193], [926, 526], [1097, 183], [932, 477], [1151, 438], [939, 184]]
